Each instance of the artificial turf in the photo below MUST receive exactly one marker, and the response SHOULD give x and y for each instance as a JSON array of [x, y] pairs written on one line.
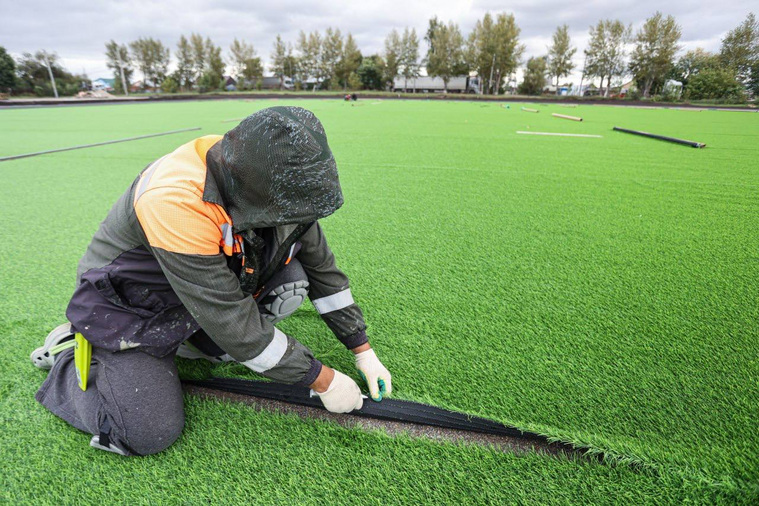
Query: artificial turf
[[601, 291]]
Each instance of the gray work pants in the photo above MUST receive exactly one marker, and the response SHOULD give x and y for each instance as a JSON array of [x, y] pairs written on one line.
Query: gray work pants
[[134, 396]]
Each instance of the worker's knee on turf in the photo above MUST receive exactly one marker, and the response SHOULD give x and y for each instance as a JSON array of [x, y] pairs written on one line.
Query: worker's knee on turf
[[155, 433], [144, 399]]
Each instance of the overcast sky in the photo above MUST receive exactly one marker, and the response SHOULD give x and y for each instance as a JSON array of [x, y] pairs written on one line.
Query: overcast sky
[[78, 29]]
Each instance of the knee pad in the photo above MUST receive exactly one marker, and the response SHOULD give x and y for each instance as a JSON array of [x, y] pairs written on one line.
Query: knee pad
[[283, 300], [290, 289]]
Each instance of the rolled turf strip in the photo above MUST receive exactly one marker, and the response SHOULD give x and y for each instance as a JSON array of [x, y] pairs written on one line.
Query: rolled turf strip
[[389, 409], [684, 142], [564, 116]]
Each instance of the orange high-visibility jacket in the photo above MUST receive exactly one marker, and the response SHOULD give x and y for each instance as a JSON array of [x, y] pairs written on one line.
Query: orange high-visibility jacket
[[165, 263]]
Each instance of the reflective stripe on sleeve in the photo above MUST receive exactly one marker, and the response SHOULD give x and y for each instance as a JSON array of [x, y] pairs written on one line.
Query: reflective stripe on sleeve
[[227, 235], [145, 181], [271, 355], [290, 254], [334, 302]]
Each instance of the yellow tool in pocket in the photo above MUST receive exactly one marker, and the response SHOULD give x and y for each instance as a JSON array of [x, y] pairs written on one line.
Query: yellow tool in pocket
[[82, 359]]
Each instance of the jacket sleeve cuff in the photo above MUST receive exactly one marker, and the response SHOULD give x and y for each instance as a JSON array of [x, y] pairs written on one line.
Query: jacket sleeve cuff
[[312, 374], [354, 340]]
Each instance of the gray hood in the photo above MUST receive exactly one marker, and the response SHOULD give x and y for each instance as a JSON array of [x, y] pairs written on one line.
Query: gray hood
[[275, 168]]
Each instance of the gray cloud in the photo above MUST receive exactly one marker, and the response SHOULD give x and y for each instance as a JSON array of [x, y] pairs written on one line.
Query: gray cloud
[[78, 29]]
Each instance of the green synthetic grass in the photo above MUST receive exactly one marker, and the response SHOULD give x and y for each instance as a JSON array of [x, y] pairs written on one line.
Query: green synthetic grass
[[601, 291]]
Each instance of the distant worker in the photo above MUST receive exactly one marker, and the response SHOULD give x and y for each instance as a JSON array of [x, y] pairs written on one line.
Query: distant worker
[[209, 248]]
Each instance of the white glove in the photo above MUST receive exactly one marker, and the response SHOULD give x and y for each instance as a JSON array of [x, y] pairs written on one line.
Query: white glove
[[342, 395], [374, 373]]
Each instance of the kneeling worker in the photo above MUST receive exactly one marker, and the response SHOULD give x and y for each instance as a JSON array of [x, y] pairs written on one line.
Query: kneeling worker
[[209, 247]]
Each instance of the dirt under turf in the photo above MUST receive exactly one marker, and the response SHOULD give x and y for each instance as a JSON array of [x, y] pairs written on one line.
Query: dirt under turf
[[600, 291]]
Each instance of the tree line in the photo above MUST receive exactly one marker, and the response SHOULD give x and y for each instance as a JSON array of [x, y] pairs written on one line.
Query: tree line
[[331, 60], [38, 73], [649, 57]]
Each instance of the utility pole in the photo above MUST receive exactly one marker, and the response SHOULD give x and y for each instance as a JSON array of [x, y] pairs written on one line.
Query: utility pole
[[123, 79], [490, 81], [50, 72]]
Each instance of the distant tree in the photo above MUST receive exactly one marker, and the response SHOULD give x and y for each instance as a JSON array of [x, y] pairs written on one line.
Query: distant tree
[[7, 71], [246, 66], [429, 37], [740, 48], [332, 50], [354, 82], [753, 81], [409, 61], [162, 60], [304, 56], [279, 59], [215, 63], [656, 44], [199, 60], [594, 53], [185, 73], [560, 55], [291, 62], [240, 52], [310, 47], [48, 59], [606, 54], [252, 72], [691, 63], [445, 56], [152, 58], [117, 59], [619, 37], [371, 72], [493, 50], [393, 56], [33, 75], [169, 85], [350, 59], [142, 58], [283, 63], [716, 83], [508, 49], [480, 50], [209, 81], [534, 76]]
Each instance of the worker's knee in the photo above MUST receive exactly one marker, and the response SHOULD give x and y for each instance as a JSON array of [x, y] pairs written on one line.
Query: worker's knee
[[154, 433], [143, 398], [283, 300], [290, 289]]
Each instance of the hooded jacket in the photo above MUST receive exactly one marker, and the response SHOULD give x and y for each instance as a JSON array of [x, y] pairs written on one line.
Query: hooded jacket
[[167, 260]]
